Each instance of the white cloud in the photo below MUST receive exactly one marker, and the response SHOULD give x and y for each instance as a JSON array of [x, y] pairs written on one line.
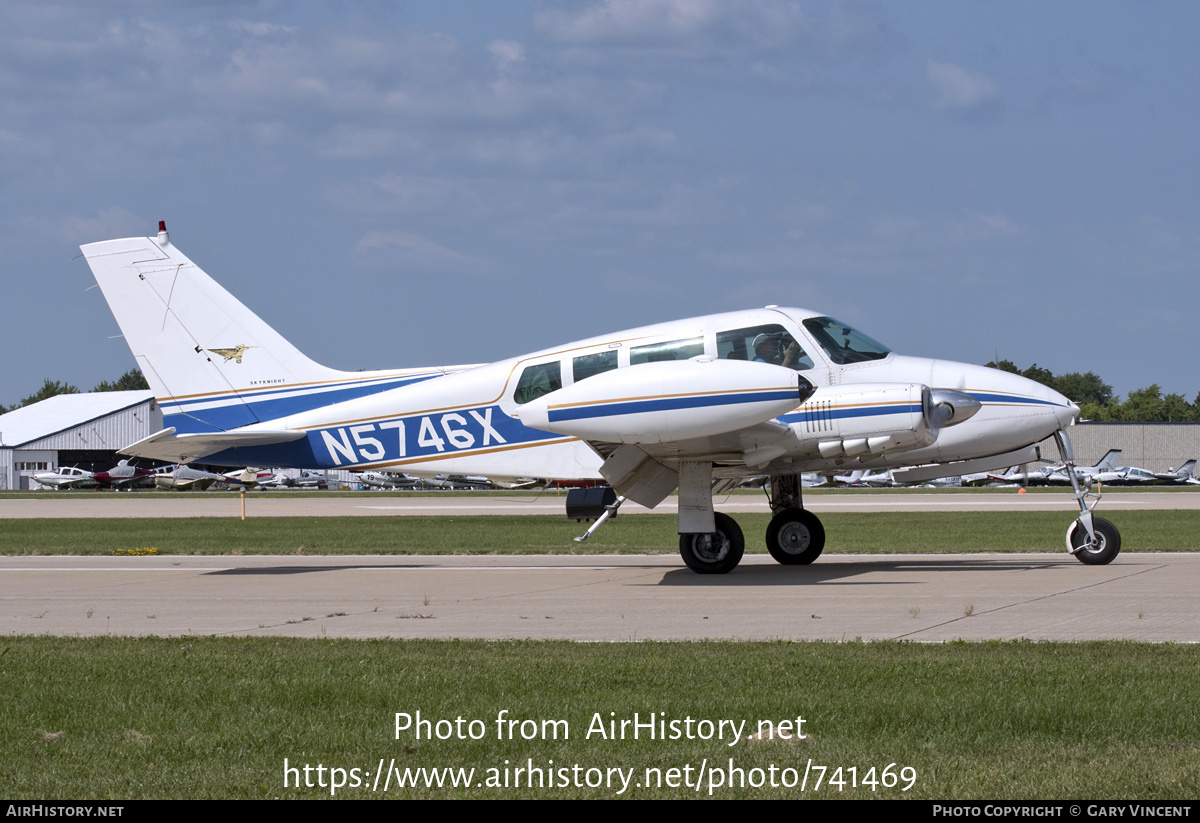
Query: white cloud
[[959, 88], [898, 233], [693, 27], [990, 225], [258, 28], [106, 223], [354, 141], [398, 247], [507, 53]]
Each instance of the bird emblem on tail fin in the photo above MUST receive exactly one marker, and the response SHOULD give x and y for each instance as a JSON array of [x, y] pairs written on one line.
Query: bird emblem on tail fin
[[234, 353]]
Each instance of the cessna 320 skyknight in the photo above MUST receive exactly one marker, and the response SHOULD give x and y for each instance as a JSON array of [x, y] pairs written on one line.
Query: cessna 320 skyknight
[[695, 405]]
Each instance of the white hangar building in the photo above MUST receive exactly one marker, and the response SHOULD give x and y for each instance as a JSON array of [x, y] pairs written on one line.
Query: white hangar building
[[83, 430]]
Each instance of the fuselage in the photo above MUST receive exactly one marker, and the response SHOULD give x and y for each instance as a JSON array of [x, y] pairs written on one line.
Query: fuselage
[[66, 478], [464, 420]]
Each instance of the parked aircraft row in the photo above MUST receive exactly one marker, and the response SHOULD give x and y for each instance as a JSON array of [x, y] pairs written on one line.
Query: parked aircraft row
[[1134, 476], [694, 406], [401, 480], [176, 477], [122, 476], [1105, 471]]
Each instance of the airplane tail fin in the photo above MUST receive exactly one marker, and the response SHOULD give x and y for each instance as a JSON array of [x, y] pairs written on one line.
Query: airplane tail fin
[[1109, 461], [1187, 470], [211, 362]]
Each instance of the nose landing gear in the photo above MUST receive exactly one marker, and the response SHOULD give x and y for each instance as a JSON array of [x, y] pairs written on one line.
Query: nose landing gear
[[1093, 540]]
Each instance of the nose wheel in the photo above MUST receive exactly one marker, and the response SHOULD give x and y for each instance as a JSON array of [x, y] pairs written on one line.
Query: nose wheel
[[795, 537], [1100, 548]]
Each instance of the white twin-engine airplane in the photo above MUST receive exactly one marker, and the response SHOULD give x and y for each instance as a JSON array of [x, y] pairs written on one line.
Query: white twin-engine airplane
[[695, 405]]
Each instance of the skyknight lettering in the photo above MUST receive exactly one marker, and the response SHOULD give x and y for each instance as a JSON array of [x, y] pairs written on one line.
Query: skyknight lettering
[[658, 727]]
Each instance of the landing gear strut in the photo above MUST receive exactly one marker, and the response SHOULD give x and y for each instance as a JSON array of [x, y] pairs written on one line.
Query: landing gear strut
[[795, 536], [1093, 540]]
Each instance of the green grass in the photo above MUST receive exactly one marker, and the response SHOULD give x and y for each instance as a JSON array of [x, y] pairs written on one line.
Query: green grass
[[215, 717], [876, 532]]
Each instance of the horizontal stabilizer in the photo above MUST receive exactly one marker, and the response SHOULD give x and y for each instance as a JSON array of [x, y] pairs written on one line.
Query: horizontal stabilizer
[[184, 448]]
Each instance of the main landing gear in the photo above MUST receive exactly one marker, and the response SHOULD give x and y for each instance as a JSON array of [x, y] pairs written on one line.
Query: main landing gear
[[1093, 540], [715, 553], [795, 536]]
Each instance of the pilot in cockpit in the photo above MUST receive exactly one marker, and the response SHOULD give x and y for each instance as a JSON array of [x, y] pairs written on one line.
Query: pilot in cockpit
[[776, 349]]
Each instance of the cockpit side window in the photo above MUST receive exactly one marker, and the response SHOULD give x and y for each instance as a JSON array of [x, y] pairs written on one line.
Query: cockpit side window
[[590, 365], [537, 380], [844, 344], [769, 343], [673, 350]]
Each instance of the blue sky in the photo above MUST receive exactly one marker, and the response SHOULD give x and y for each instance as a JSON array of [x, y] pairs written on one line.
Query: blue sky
[[418, 183]]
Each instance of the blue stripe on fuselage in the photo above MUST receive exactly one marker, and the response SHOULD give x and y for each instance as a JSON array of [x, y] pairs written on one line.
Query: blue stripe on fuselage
[[856, 411], [985, 397], [254, 410], [664, 404], [459, 432], [251, 393]]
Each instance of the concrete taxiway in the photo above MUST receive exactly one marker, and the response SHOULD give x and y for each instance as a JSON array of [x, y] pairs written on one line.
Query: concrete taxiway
[[218, 504], [1149, 597], [1145, 597]]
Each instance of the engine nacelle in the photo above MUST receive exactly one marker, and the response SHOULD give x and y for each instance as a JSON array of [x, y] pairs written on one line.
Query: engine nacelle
[[665, 402], [863, 419]]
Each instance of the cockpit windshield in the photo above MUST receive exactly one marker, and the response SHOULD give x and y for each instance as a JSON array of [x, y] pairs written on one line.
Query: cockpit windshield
[[842, 343]]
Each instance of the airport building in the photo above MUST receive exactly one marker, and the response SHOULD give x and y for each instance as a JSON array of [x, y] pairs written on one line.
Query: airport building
[[83, 430], [1157, 447]]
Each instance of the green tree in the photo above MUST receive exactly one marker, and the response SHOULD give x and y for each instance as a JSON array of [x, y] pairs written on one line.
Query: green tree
[[1084, 388], [1109, 412], [1097, 401], [1039, 375], [1177, 409], [132, 380], [1144, 405], [49, 389], [1004, 365]]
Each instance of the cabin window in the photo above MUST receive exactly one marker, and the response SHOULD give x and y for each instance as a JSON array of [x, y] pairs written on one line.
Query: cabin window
[[844, 344], [537, 380], [590, 365], [673, 350], [769, 343]]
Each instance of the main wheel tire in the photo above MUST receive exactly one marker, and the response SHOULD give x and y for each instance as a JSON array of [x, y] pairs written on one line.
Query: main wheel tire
[[795, 537], [1105, 547], [716, 553]]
